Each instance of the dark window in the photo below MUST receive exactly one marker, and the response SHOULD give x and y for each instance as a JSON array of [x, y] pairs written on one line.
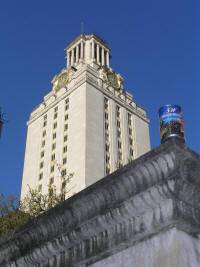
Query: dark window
[[53, 146], [65, 127], [43, 143], [55, 125], [64, 160], [54, 135], [40, 176], [41, 164], [51, 180], [52, 168]]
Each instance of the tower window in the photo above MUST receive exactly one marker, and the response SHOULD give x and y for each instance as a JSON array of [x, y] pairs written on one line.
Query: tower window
[[55, 109], [53, 156], [55, 125], [44, 133], [64, 160], [40, 176], [118, 123], [44, 123], [131, 151], [42, 154], [65, 127], [45, 117], [64, 149], [106, 126], [65, 138], [105, 103], [55, 116], [54, 135], [129, 119], [53, 146], [119, 144], [43, 143], [107, 147], [51, 180], [41, 165], [64, 172], [52, 168]]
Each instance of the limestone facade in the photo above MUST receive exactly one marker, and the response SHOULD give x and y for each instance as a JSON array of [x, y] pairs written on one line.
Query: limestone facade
[[88, 124]]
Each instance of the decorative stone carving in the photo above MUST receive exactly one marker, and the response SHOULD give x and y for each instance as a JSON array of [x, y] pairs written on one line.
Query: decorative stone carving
[[63, 78], [111, 78]]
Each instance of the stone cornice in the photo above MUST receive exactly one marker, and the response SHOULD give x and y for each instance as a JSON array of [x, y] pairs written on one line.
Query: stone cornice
[[153, 193], [87, 74]]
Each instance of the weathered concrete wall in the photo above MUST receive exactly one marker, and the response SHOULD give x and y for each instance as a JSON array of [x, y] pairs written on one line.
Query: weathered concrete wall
[[173, 248], [145, 214]]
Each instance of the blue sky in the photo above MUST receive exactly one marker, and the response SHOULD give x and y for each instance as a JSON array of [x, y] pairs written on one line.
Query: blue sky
[[155, 47]]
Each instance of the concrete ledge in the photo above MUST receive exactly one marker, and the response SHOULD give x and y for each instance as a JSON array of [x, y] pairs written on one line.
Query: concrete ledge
[[156, 192]]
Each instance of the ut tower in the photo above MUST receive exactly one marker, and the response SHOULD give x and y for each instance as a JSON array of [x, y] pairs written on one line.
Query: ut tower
[[88, 124]]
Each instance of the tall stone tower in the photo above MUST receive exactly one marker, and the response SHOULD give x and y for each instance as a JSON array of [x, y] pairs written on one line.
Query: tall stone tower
[[88, 124]]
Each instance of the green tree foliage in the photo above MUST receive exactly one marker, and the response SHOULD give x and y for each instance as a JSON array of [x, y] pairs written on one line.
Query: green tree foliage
[[33, 204]]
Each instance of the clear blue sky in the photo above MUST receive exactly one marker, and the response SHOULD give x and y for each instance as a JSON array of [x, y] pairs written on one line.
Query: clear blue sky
[[155, 46]]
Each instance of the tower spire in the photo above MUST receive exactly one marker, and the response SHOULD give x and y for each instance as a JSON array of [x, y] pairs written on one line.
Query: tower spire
[[82, 27]]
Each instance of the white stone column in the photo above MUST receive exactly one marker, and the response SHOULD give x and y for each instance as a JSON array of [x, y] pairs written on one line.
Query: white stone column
[[97, 53], [68, 59], [107, 59], [102, 57], [93, 50], [72, 58], [81, 49], [77, 53]]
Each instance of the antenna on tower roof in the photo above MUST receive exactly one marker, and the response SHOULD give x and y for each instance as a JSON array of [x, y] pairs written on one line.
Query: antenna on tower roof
[[82, 27]]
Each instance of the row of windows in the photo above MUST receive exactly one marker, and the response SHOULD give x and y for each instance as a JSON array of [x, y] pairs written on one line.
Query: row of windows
[[107, 146], [119, 137], [54, 135], [130, 132]]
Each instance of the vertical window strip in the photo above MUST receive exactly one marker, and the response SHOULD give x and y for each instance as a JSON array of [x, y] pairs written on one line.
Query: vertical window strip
[[106, 129]]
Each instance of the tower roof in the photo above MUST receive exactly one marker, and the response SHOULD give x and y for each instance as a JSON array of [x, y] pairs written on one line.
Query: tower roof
[[87, 37]]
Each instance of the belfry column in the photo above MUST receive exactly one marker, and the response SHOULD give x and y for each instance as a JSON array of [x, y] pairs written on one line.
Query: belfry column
[[81, 49], [107, 59], [97, 53], [72, 58], [68, 59], [93, 51], [77, 53], [102, 57]]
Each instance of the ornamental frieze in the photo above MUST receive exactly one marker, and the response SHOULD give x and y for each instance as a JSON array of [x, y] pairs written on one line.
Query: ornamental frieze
[[63, 78], [111, 78]]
